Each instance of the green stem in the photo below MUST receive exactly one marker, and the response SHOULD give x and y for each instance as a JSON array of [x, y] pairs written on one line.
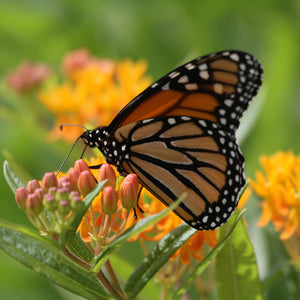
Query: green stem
[[120, 229], [113, 276], [45, 222], [164, 292], [105, 282], [77, 260], [93, 219]]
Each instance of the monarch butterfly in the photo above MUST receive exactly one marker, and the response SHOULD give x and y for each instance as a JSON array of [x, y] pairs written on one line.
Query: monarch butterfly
[[179, 136]]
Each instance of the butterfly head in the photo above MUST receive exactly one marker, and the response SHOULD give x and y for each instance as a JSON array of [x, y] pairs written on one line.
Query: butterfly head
[[96, 137]]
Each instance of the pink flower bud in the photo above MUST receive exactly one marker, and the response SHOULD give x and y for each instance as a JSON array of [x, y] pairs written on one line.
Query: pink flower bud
[[73, 175], [21, 195], [74, 194], [34, 204], [49, 180], [80, 166], [129, 192], [133, 177], [86, 182], [32, 185], [76, 203], [67, 185], [39, 192], [49, 202], [107, 172], [109, 200], [62, 181], [53, 191], [64, 207], [62, 193]]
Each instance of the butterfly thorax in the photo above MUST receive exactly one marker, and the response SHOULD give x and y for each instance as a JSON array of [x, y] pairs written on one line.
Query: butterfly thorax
[[113, 151]]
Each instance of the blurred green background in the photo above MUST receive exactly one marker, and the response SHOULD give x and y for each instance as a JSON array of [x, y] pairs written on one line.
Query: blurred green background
[[164, 33]]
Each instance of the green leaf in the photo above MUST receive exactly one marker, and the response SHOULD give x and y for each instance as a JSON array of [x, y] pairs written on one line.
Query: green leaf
[[45, 257], [156, 258], [205, 262], [18, 169], [237, 272], [80, 249], [100, 259], [71, 232], [11, 177]]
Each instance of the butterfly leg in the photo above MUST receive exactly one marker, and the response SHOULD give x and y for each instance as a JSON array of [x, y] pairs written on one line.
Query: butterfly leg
[[95, 167], [137, 205]]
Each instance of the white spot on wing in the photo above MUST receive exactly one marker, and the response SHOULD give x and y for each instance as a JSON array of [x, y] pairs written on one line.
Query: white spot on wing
[[174, 74], [234, 56], [166, 87], [191, 86], [171, 121], [218, 88], [204, 75], [202, 67], [183, 79], [190, 66]]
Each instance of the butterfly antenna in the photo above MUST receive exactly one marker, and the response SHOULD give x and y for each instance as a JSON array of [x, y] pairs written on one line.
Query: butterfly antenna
[[67, 156], [83, 151], [74, 144], [61, 126]]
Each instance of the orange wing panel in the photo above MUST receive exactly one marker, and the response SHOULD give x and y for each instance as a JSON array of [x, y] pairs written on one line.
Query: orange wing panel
[[154, 106], [174, 103]]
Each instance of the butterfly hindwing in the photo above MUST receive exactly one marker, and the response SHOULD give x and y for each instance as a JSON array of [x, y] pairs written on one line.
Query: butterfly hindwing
[[182, 154]]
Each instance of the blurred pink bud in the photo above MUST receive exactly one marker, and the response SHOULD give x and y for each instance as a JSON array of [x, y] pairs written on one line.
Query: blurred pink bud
[[86, 182], [129, 191], [107, 172], [27, 76], [64, 207], [73, 175], [34, 204], [49, 202], [62, 181], [49, 180], [53, 191], [32, 185], [67, 185], [21, 195], [62, 193], [134, 179], [75, 60], [40, 192], [76, 203], [80, 165], [109, 200]]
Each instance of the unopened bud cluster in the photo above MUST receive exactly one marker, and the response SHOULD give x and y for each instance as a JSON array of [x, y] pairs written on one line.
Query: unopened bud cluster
[[52, 203]]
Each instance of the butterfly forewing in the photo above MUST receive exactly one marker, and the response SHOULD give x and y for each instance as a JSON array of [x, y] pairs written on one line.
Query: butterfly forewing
[[181, 154], [216, 87]]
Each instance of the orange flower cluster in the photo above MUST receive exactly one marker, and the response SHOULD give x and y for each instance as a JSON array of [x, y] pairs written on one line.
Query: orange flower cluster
[[279, 186], [93, 91]]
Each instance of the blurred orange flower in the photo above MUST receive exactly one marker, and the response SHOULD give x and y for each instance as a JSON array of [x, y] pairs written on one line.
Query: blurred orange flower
[[279, 186], [93, 91], [193, 248]]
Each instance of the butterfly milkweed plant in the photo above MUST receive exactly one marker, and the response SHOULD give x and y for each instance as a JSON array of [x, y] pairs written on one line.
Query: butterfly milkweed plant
[[101, 235]]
